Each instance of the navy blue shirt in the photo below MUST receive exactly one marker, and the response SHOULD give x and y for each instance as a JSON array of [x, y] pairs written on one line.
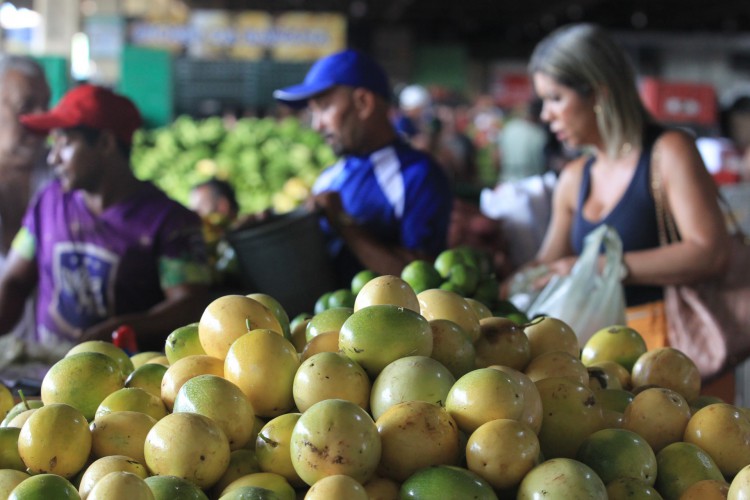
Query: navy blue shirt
[[634, 218], [397, 194]]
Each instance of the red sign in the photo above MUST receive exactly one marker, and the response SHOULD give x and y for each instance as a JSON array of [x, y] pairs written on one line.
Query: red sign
[[680, 102], [511, 89]]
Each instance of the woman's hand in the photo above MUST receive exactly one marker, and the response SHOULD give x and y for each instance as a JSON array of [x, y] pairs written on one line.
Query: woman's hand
[[560, 267]]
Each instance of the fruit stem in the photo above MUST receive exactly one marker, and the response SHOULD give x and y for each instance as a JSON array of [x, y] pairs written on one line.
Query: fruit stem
[[534, 321], [23, 399], [270, 442]]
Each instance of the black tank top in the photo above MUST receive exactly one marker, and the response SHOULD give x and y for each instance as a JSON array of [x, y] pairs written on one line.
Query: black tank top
[[634, 218]]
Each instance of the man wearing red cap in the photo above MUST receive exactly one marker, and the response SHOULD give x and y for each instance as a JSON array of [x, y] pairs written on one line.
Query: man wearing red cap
[[103, 248]]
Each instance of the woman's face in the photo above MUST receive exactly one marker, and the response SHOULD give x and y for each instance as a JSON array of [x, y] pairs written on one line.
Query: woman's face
[[570, 116]]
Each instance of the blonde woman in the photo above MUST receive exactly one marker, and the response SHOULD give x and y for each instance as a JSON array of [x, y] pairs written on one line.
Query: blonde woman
[[591, 102]]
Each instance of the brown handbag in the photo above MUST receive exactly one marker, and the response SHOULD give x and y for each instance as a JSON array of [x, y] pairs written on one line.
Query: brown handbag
[[708, 321]]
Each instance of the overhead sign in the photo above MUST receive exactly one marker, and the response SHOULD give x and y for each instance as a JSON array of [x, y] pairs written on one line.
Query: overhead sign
[[291, 36]]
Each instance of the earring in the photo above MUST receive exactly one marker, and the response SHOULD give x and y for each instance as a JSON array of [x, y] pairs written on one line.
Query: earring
[[597, 109]]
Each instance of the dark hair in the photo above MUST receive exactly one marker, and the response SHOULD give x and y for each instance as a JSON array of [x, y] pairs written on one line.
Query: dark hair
[[91, 135], [23, 64], [222, 188], [741, 105]]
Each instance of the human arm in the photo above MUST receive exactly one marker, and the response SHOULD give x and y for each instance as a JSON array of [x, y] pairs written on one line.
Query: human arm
[[556, 251], [18, 281], [182, 304], [691, 196], [373, 254]]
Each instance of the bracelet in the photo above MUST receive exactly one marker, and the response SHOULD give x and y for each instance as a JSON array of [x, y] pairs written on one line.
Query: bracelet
[[624, 271]]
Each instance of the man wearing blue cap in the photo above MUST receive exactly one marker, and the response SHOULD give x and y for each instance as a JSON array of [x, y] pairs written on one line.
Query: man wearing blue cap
[[385, 203]]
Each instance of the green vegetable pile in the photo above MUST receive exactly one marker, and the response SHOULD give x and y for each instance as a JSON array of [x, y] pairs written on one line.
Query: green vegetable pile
[[270, 163]]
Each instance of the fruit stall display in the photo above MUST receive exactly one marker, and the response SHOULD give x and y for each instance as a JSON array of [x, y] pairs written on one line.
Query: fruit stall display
[[270, 163], [389, 390]]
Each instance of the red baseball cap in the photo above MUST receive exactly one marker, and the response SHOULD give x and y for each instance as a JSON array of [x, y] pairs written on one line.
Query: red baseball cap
[[89, 106]]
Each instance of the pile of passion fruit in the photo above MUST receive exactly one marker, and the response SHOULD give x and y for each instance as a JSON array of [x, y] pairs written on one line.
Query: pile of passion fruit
[[399, 394]]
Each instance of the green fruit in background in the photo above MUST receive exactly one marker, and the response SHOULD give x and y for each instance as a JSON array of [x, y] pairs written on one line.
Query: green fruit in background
[[108, 348], [348, 435], [341, 298], [571, 414], [616, 453], [329, 320], [322, 303], [505, 307], [132, 399], [561, 478], [6, 400], [451, 287], [479, 308], [630, 487], [139, 359], [421, 275], [9, 456], [613, 399], [377, 335], [277, 309], [465, 277], [147, 377], [361, 278], [45, 486], [702, 401], [250, 493], [411, 378], [680, 465], [452, 347], [260, 156], [174, 488], [241, 463], [223, 402], [487, 291], [9, 479], [183, 341], [21, 407], [472, 257], [448, 482], [616, 343], [82, 380], [446, 260], [518, 318], [298, 327]]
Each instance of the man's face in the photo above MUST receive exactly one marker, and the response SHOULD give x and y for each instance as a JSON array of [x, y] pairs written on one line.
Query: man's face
[[334, 118], [77, 163], [20, 94]]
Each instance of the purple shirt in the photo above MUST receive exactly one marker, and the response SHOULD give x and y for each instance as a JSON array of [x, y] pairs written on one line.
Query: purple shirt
[[94, 267]]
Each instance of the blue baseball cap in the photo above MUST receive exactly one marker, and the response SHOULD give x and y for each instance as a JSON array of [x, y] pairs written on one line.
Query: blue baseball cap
[[349, 67]]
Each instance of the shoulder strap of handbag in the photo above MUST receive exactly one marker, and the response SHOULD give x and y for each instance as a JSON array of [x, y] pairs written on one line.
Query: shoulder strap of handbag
[[664, 220]]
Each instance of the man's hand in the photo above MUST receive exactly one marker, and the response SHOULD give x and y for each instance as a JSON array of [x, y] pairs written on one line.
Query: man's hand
[[101, 331], [249, 220], [329, 204]]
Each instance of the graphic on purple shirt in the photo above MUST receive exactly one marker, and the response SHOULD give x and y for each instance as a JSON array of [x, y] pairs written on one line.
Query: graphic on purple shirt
[[84, 276]]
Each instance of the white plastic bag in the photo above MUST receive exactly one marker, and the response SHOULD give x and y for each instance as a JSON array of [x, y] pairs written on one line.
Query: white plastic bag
[[586, 299]]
